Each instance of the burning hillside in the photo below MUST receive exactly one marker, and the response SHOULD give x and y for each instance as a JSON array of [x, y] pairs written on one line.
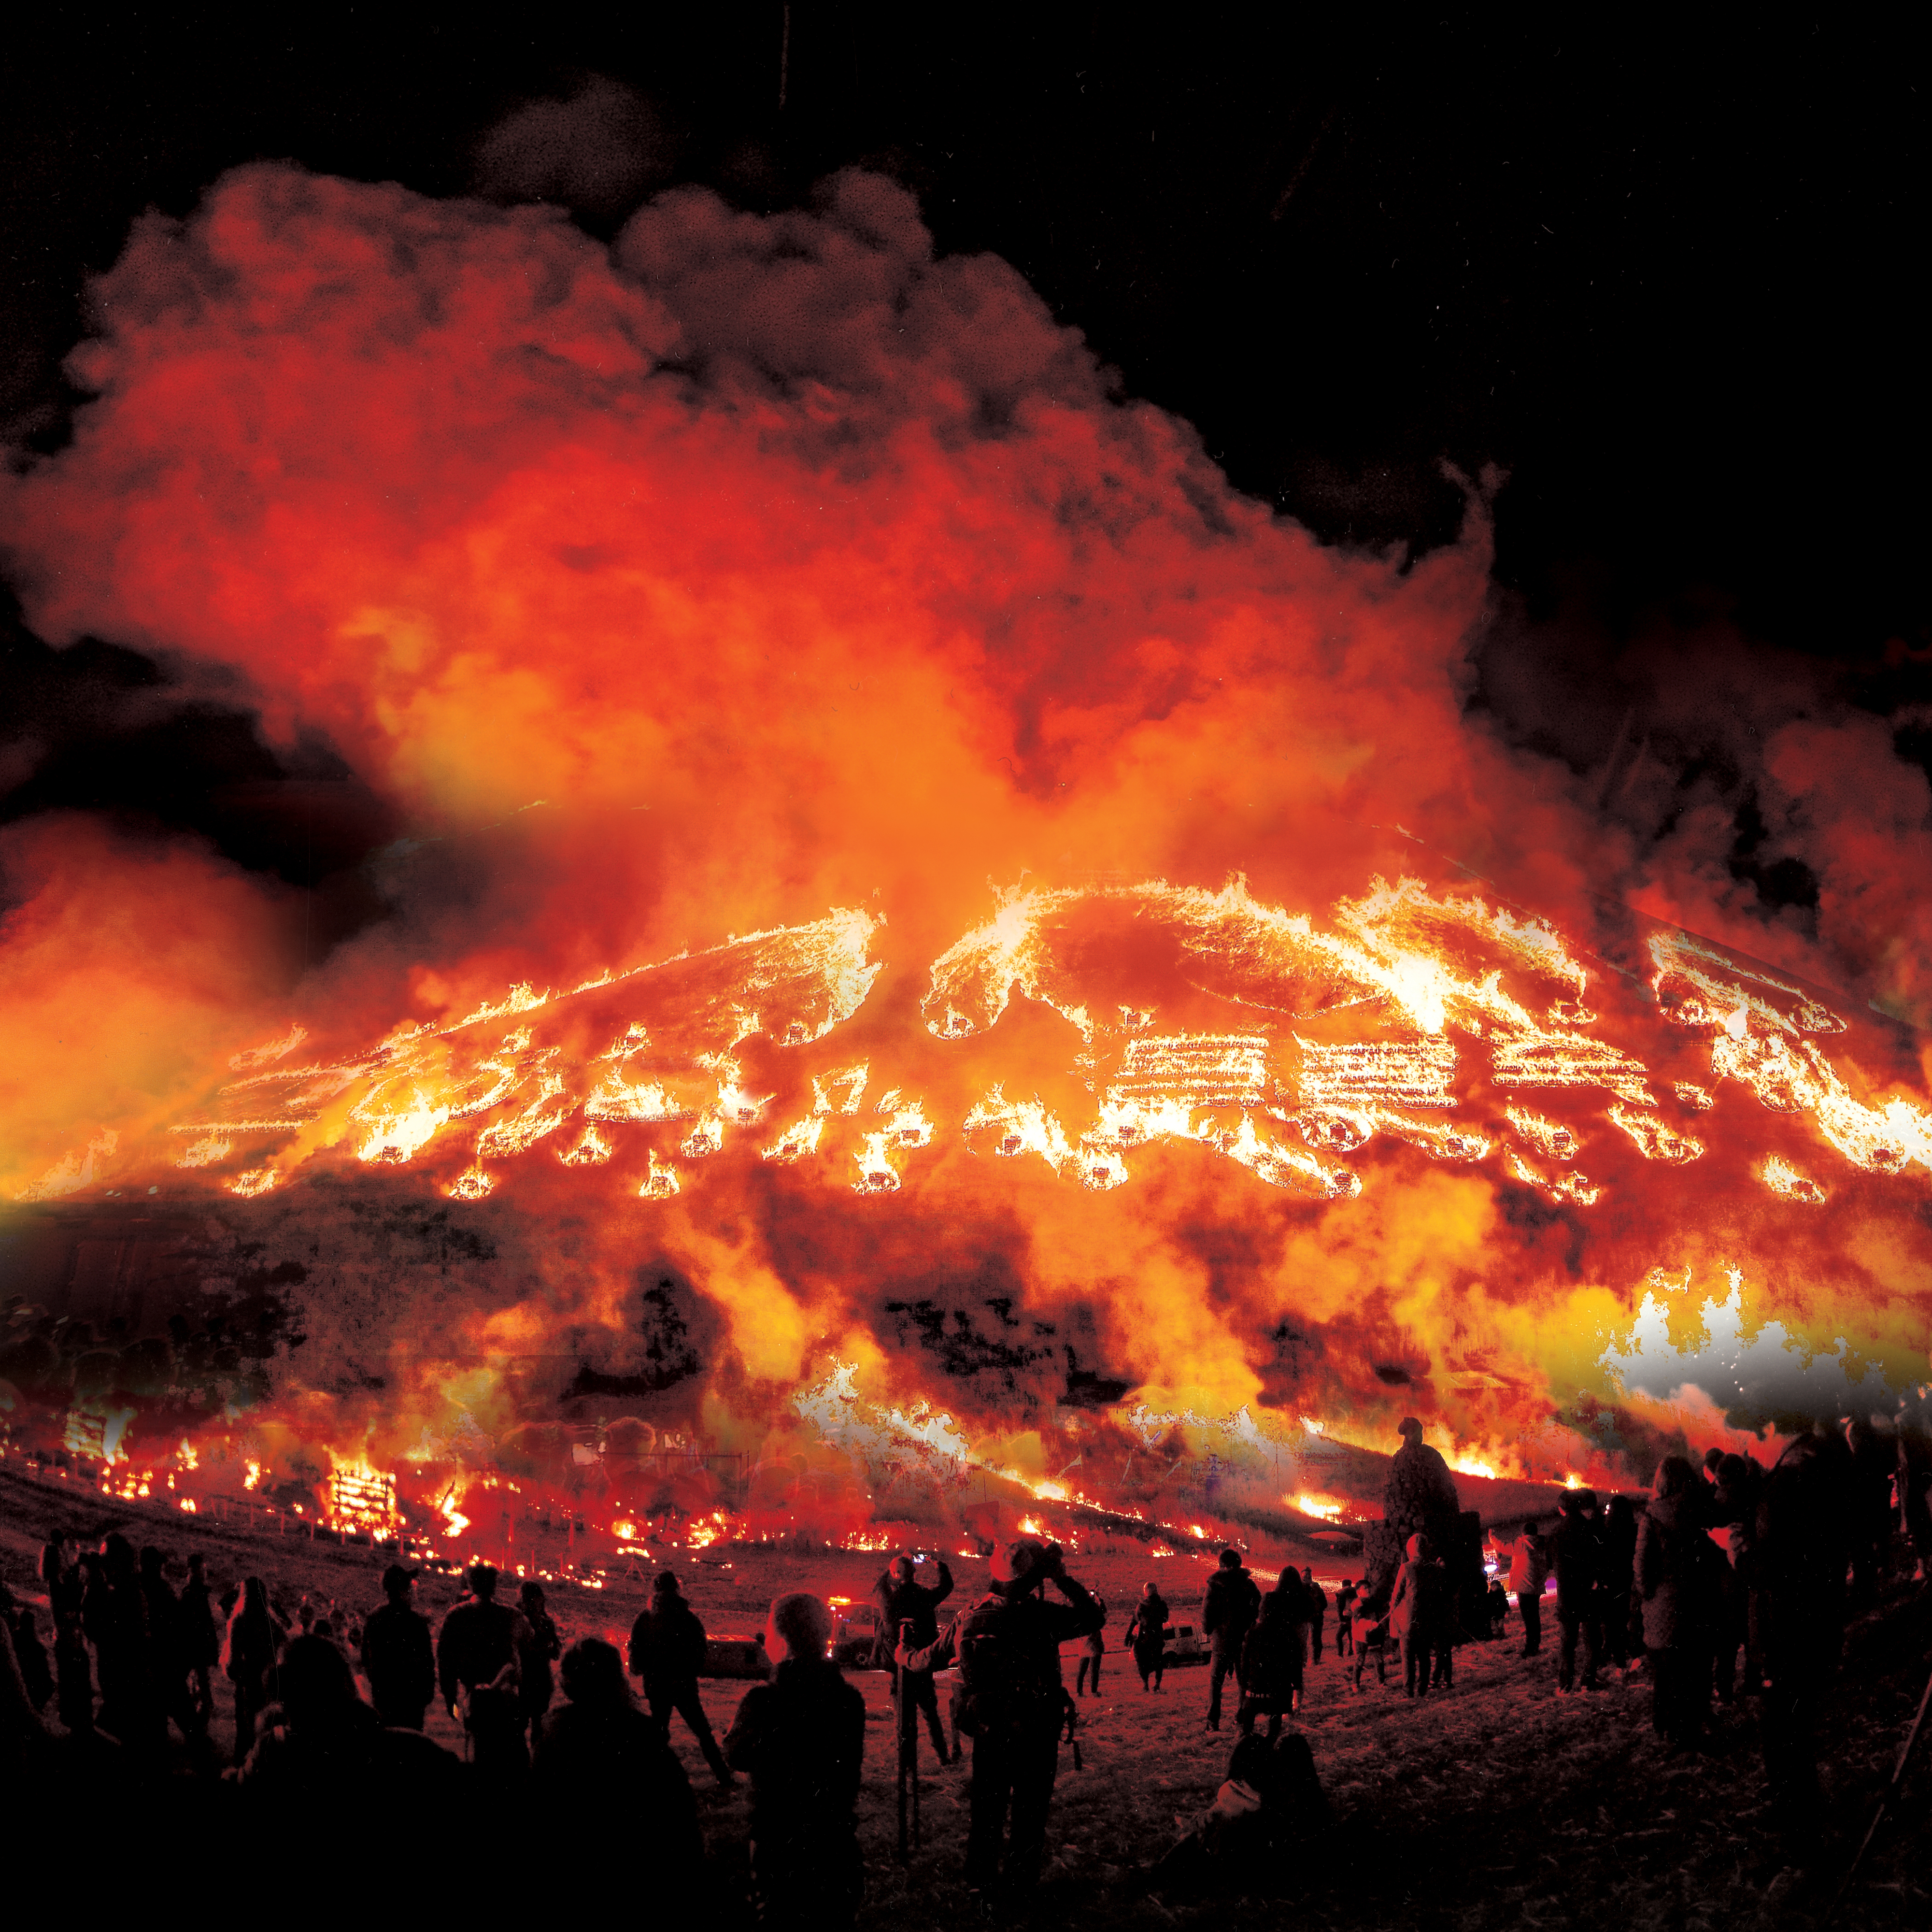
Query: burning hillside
[[905, 989]]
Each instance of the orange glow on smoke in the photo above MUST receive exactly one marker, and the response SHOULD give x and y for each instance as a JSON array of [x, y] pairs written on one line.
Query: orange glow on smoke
[[906, 976]]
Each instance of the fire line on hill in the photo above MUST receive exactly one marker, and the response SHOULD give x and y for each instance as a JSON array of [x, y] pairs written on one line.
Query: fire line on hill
[[906, 998]]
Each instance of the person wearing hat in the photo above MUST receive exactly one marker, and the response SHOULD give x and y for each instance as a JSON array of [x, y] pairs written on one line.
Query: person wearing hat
[[398, 1658], [666, 1652], [1013, 1704]]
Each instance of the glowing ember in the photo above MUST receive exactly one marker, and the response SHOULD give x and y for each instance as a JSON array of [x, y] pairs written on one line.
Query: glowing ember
[[828, 1069]]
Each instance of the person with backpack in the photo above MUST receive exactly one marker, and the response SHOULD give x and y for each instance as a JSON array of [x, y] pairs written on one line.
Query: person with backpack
[[1228, 1613], [1012, 1703]]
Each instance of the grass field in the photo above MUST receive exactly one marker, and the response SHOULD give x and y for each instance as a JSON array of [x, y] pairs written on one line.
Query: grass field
[[1497, 1805]]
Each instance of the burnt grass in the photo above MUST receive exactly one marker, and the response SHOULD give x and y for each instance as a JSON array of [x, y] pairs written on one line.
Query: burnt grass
[[1497, 1804]]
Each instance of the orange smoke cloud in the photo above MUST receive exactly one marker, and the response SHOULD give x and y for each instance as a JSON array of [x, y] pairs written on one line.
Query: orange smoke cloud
[[769, 577]]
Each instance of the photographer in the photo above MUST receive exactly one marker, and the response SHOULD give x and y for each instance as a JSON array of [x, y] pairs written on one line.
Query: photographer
[[902, 1601], [1007, 1647]]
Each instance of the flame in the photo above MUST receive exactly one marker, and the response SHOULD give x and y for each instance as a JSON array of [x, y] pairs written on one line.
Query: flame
[[831, 1025], [1329, 1508]]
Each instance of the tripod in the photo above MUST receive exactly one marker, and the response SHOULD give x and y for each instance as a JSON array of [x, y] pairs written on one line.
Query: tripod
[[905, 1719]]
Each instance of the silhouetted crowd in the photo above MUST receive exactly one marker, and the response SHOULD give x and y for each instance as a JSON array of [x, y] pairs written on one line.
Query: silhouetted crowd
[[1735, 1561]]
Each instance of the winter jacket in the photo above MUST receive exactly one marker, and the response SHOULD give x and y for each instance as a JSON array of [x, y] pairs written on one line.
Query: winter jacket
[[399, 1659], [1008, 1651], [1147, 1630], [1276, 1648], [1529, 1565], [1577, 1553], [801, 1738], [913, 1603], [1420, 1600], [1673, 1577], [613, 1764], [1228, 1610], [667, 1648], [478, 1643]]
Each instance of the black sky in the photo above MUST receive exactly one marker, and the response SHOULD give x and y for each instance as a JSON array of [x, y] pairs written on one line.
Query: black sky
[[1665, 276]]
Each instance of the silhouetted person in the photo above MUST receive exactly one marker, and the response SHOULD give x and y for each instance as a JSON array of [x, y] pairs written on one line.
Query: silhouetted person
[[115, 1613], [1576, 1554], [1345, 1601], [1674, 1584], [1316, 1599], [535, 1655], [1274, 1655], [36, 1680], [1269, 1818], [399, 1655], [249, 1651], [1706, 1490], [66, 1585], [165, 1648], [1372, 1633], [1617, 1581], [667, 1653], [1225, 1846], [1146, 1636], [1740, 1613], [1417, 1607], [200, 1640], [1914, 1489], [1529, 1570], [902, 1600], [1227, 1613], [1495, 1605], [1874, 1463], [602, 1766], [1092, 1648], [321, 1746], [801, 1739], [476, 1668], [1805, 1525], [1012, 1704]]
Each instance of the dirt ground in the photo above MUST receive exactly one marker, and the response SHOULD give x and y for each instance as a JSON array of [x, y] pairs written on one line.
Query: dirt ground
[[1496, 1805]]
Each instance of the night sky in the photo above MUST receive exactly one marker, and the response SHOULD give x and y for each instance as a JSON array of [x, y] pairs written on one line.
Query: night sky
[[1665, 281]]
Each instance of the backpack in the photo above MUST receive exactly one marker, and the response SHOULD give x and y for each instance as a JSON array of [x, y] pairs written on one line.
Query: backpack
[[1008, 1676]]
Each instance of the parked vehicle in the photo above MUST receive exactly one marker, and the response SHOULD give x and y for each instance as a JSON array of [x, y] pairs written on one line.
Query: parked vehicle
[[735, 1657]]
